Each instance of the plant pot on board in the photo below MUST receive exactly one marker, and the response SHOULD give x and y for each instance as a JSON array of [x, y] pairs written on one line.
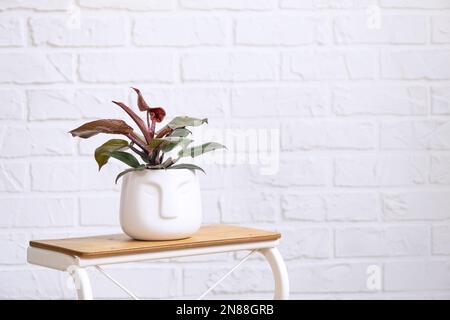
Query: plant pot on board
[[160, 197]]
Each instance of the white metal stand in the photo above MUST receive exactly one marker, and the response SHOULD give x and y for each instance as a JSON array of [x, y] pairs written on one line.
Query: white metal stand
[[76, 266]]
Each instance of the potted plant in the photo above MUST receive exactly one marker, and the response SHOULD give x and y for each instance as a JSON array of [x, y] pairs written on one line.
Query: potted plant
[[160, 197]]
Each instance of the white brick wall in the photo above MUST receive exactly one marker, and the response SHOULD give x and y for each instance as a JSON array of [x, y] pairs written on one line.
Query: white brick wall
[[363, 113]]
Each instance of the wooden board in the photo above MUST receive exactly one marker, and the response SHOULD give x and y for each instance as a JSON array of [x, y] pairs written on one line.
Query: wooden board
[[120, 244]]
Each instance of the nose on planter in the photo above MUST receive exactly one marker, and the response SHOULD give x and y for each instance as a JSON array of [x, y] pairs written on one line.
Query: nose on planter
[[160, 204]]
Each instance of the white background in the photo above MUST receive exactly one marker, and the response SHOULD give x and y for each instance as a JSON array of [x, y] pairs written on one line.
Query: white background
[[364, 116]]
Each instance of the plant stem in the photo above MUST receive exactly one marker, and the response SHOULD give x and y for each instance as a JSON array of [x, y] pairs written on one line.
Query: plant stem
[[148, 121], [154, 159], [142, 154], [152, 128], [133, 137], [140, 123]]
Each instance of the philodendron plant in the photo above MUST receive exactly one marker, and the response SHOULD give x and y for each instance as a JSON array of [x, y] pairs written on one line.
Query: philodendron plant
[[150, 146]]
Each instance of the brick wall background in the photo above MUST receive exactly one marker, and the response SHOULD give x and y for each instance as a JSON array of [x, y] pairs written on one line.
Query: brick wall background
[[364, 116]]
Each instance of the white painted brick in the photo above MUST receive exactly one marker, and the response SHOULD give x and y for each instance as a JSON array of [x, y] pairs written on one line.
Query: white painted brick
[[415, 135], [398, 29], [352, 206], [92, 32], [440, 32], [294, 4], [40, 5], [73, 175], [13, 248], [378, 241], [52, 105], [417, 275], [371, 209], [13, 176], [303, 207], [325, 4], [38, 212], [315, 65], [32, 284], [420, 205], [210, 207], [440, 170], [36, 67], [441, 239], [303, 171], [69, 104], [428, 4], [279, 101], [416, 64], [309, 243], [11, 32], [196, 280], [328, 135], [15, 102], [440, 100], [51, 141], [333, 207], [15, 141], [200, 102], [380, 100], [229, 4], [133, 5], [224, 66], [286, 30], [26, 141], [214, 178], [99, 211], [247, 206], [380, 171], [180, 31], [96, 103], [330, 277], [126, 66]]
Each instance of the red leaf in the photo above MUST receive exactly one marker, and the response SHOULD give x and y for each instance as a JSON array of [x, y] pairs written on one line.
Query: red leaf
[[142, 105], [157, 114], [140, 123], [111, 126]]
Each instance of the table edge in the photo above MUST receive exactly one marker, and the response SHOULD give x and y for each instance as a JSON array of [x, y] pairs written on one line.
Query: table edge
[[88, 255]]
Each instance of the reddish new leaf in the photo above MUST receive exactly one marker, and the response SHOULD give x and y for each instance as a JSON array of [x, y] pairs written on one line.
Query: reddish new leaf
[[142, 104], [140, 123], [157, 114], [111, 126]]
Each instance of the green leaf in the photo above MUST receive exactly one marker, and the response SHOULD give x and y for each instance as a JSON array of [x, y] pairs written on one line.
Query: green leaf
[[120, 175], [168, 163], [180, 122], [199, 150], [180, 132], [126, 158], [102, 153], [188, 166], [169, 143]]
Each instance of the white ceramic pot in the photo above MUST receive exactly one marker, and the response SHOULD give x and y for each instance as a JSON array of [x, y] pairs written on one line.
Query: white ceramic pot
[[160, 204]]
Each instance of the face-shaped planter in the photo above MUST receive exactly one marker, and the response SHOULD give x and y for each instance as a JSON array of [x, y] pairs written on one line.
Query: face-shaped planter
[[160, 204]]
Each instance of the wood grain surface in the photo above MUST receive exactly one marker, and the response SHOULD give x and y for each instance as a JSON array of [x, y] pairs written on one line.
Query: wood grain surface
[[121, 244]]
